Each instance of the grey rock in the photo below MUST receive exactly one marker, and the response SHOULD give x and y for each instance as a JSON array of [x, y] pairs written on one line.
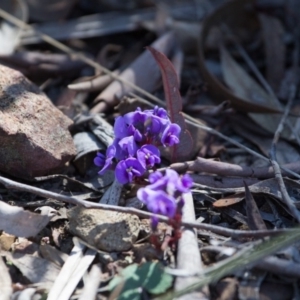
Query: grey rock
[[34, 136], [106, 230]]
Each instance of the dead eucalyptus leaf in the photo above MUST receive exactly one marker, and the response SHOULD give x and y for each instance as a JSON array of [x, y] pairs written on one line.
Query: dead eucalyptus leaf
[[285, 151], [16, 221], [52, 254], [232, 13], [230, 200], [255, 221], [34, 268], [245, 87]]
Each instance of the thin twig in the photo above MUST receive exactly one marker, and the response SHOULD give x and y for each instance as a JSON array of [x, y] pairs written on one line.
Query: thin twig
[[277, 172], [226, 169], [235, 234]]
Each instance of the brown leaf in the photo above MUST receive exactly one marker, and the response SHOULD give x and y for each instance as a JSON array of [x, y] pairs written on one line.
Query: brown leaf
[[182, 151], [255, 221], [34, 268], [230, 200], [244, 86], [16, 221], [224, 14]]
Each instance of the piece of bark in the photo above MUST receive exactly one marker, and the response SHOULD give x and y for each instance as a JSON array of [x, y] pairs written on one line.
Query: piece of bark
[[34, 135]]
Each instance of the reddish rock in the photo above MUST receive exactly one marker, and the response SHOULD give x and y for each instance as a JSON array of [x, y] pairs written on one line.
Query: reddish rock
[[34, 136]]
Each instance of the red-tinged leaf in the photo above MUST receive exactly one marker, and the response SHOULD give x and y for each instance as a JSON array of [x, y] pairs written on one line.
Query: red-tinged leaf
[[255, 221], [182, 151], [230, 200]]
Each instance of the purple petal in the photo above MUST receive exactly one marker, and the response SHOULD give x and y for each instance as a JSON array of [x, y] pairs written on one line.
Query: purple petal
[[107, 163], [99, 160], [111, 151], [157, 201], [120, 128], [127, 170], [148, 155], [135, 118], [162, 113], [185, 183], [128, 145], [170, 135], [137, 136], [153, 177], [121, 173], [173, 179]]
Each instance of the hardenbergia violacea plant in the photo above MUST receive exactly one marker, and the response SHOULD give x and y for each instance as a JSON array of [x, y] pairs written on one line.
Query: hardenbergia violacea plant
[[135, 150]]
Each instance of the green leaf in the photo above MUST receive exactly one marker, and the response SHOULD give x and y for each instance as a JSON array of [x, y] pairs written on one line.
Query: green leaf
[[149, 276], [126, 274], [156, 280], [245, 258]]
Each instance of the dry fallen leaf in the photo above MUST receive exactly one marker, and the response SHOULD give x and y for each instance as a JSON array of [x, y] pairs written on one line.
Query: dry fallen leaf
[[182, 151], [245, 87], [255, 221], [224, 14], [34, 268], [16, 221]]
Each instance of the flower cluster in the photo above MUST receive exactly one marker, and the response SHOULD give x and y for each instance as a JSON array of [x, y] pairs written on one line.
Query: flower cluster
[[137, 136], [164, 194]]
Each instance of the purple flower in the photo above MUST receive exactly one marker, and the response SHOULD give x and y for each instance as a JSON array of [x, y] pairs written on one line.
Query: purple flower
[[134, 149], [136, 118], [170, 135], [110, 154], [164, 194], [99, 160], [148, 156], [157, 202], [184, 183], [153, 177], [167, 183], [160, 112], [128, 146], [128, 169], [120, 128]]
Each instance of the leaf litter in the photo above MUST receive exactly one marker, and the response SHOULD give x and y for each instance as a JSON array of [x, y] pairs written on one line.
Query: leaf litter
[[239, 238]]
